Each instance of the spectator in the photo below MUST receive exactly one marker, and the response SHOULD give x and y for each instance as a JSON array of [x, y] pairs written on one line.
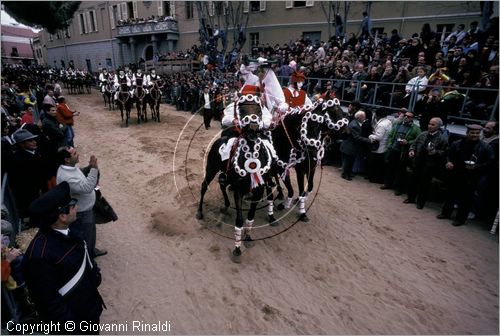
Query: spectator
[[27, 178], [62, 280], [65, 117], [353, 145], [207, 103], [49, 100], [82, 188], [401, 137], [428, 153], [468, 159], [378, 146], [366, 26], [27, 117], [55, 132]]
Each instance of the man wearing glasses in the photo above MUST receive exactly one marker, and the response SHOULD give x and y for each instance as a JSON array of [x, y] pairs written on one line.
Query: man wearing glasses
[[61, 278]]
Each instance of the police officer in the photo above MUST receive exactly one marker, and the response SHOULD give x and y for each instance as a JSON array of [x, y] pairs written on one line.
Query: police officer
[[61, 278]]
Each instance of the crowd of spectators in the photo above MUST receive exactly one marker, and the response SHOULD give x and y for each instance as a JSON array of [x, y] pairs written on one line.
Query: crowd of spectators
[[151, 19], [387, 148], [37, 140]]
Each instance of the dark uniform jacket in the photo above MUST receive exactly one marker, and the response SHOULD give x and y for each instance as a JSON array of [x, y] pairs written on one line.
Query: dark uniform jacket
[[51, 260]]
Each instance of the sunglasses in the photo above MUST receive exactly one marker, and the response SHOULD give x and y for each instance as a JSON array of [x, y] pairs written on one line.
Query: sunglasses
[[65, 209]]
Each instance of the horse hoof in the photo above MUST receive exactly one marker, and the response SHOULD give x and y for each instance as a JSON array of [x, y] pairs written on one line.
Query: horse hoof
[[223, 210], [199, 215], [280, 197], [303, 218], [272, 221], [248, 242], [280, 206], [236, 255]]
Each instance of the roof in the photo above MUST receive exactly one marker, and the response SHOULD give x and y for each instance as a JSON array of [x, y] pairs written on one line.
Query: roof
[[17, 31]]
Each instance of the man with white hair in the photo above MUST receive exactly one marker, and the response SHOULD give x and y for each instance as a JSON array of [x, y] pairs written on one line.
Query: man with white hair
[[428, 152], [353, 144]]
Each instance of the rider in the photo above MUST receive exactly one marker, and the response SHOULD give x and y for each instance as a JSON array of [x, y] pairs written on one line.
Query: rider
[[294, 95], [151, 78], [121, 78], [142, 76]]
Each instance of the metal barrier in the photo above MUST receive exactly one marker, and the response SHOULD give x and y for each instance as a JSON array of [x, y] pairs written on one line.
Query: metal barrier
[[393, 96]]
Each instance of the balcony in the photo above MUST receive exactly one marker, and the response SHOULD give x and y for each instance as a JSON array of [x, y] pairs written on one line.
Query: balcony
[[146, 28]]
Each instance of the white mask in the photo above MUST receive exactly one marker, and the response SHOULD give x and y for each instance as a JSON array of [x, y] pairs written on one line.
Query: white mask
[[299, 85]]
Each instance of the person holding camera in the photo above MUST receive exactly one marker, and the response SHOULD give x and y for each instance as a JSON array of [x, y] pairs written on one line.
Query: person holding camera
[[468, 159]]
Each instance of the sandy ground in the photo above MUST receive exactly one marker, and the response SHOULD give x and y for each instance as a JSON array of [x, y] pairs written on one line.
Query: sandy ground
[[365, 264]]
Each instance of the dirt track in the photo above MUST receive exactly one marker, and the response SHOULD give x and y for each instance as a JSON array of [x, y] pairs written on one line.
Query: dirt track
[[365, 264]]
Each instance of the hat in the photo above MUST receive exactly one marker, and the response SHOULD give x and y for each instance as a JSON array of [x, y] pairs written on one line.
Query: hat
[[474, 127], [22, 135], [298, 77], [249, 89], [47, 206]]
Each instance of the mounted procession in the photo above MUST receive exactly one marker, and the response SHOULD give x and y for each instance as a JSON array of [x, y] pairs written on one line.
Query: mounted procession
[[127, 89], [268, 130]]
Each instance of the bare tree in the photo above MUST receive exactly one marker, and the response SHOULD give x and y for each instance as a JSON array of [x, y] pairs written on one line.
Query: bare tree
[[229, 15]]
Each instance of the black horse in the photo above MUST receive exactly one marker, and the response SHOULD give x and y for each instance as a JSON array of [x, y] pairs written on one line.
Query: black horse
[[124, 102], [155, 99], [299, 143], [140, 98], [246, 170]]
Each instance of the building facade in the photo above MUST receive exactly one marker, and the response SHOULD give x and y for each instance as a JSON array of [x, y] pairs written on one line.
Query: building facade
[[17, 45], [115, 33]]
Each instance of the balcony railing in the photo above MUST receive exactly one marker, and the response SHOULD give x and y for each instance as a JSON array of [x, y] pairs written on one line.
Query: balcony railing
[[168, 26]]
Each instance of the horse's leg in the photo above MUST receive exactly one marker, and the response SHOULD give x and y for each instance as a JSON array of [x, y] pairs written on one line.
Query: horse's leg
[[288, 202], [270, 207], [226, 199], [300, 169], [210, 172], [139, 111], [238, 228], [256, 197], [280, 195], [158, 110]]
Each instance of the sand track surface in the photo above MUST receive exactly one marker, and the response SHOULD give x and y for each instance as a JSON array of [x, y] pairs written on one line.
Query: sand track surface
[[365, 263]]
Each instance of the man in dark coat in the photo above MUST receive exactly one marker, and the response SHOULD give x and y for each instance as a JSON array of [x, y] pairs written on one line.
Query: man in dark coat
[[61, 278], [54, 131], [353, 145], [468, 160], [207, 106], [429, 152], [27, 176]]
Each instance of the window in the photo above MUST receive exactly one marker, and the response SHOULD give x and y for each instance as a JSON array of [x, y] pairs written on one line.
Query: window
[[299, 4], [93, 22], [444, 30], [51, 37], [130, 8], [67, 33], [166, 8], [313, 36], [189, 10], [83, 26], [58, 35], [254, 39], [254, 6], [14, 52], [116, 14]]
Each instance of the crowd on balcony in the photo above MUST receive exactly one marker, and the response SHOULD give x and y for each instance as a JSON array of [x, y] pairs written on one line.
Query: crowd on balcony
[[150, 19]]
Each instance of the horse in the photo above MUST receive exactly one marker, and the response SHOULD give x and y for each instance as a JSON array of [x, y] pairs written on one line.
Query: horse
[[89, 81], [155, 99], [108, 91], [140, 98], [124, 101], [246, 166], [299, 142]]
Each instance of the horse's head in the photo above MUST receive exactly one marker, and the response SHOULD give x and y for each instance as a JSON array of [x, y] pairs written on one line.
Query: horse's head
[[250, 111], [334, 117], [123, 87], [311, 126], [252, 160], [138, 82]]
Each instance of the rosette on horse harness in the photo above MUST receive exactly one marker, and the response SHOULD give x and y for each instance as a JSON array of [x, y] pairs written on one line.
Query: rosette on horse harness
[[252, 164]]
